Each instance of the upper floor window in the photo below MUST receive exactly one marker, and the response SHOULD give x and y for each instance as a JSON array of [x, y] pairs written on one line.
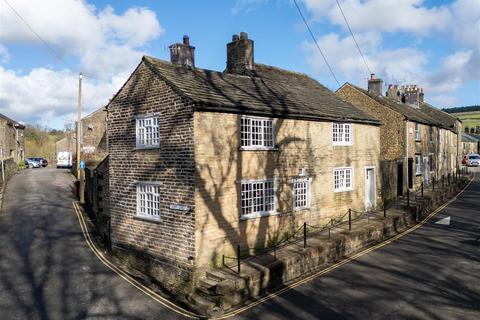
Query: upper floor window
[[342, 134], [418, 164], [148, 200], [342, 179], [301, 193], [258, 197], [430, 133], [147, 132], [417, 132], [257, 133]]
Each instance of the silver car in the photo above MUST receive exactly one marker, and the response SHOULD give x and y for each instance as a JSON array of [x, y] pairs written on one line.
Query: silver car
[[473, 160]]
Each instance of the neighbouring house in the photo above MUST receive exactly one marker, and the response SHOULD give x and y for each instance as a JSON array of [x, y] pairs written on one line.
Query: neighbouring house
[[201, 161], [66, 144], [416, 143], [470, 144], [93, 137], [12, 140]]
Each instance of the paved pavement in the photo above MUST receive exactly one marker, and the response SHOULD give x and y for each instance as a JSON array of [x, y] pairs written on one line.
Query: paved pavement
[[48, 272], [431, 273], [46, 269]]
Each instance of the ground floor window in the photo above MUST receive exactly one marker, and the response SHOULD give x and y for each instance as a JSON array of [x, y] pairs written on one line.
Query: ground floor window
[[342, 179], [148, 200], [301, 193], [418, 164], [258, 197]]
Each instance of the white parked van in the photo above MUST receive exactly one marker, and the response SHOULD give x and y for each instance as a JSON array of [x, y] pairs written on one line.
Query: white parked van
[[64, 159]]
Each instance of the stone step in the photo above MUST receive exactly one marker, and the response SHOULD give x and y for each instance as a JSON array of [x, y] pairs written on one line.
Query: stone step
[[201, 302], [207, 286], [220, 275]]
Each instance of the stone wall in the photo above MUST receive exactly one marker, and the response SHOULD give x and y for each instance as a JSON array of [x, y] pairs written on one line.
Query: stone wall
[[392, 128], [220, 166], [94, 138], [8, 140], [170, 241]]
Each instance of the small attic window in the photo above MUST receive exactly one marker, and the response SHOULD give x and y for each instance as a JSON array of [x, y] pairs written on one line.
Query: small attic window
[[90, 126]]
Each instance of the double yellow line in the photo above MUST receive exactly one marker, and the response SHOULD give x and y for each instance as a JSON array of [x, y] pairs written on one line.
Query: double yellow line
[[155, 296], [149, 292]]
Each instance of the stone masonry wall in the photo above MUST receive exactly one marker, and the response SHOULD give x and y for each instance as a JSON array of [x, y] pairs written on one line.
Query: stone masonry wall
[[301, 144], [94, 139], [169, 241], [392, 129]]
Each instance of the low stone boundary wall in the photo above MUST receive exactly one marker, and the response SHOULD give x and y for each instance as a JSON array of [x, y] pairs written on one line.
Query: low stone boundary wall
[[223, 289]]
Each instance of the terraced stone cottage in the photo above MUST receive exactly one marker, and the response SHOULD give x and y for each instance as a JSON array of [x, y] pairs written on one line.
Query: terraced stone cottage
[[202, 160]]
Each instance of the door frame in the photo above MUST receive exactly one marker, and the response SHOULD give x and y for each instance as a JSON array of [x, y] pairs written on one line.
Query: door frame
[[374, 205]]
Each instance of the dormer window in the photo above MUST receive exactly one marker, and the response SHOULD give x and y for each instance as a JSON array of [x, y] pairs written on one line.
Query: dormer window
[[342, 134], [257, 133]]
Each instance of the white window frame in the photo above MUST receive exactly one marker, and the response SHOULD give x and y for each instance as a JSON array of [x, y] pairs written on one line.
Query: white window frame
[[252, 213], [307, 183], [151, 139], [257, 133], [418, 164], [343, 184], [339, 134], [150, 191], [418, 135]]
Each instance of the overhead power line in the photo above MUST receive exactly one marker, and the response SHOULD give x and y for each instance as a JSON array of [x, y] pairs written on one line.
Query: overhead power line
[[45, 43], [354, 40], [316, 43]]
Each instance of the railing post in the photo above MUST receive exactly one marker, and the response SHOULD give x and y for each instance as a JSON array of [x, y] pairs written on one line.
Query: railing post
[[223, 260], [422, 189], [408, 198], [238, 258], [433, 184], [350, 219], [384, 208], [304, 235]]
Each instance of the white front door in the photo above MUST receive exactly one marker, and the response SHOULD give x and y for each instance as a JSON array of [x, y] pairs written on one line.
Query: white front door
[[370, 189], [426, 167]]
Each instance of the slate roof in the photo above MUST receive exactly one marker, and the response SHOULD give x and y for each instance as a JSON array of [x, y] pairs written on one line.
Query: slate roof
[[269, 91], [410, 113], [444, 118], [469, 138], [12, 122]]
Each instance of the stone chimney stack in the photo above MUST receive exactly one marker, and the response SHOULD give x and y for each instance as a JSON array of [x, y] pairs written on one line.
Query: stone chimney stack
[[393, 92], [375, 85], [240, 55], [411, 95], [421, 96], [183, 53]]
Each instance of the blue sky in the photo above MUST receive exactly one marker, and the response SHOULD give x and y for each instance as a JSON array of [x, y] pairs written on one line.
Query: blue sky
[[435, 44]]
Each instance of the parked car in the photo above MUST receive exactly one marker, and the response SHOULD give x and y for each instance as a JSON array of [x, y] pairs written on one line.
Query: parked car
[[42, 161], [473, 160], [32, 163], [464, 159]]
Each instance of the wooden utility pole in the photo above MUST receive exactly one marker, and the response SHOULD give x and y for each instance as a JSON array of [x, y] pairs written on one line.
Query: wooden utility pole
[[80, 176]]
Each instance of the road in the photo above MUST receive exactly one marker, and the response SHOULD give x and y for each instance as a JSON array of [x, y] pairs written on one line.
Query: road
[[48, 272], [431, 273], [46, 269]]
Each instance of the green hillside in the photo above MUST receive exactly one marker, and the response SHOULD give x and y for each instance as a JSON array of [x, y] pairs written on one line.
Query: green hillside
[[469, 115]]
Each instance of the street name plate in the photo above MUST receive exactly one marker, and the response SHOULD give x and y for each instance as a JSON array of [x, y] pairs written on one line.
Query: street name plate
[[179, 207]]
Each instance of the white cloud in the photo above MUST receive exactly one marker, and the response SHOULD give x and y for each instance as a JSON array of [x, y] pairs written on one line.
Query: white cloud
[[398, 65], [382, 15], [106, 45], [246, 5], [49, 97], [76, 28]]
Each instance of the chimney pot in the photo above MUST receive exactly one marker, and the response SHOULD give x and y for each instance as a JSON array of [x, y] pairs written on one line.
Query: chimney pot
[[243, 35], [372, 76], [186, 40], [235, 37]]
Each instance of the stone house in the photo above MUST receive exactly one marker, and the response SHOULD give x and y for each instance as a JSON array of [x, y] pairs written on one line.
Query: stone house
[[469, 144], [201, 160], [12, 140], [93, 137], [417, 144]]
